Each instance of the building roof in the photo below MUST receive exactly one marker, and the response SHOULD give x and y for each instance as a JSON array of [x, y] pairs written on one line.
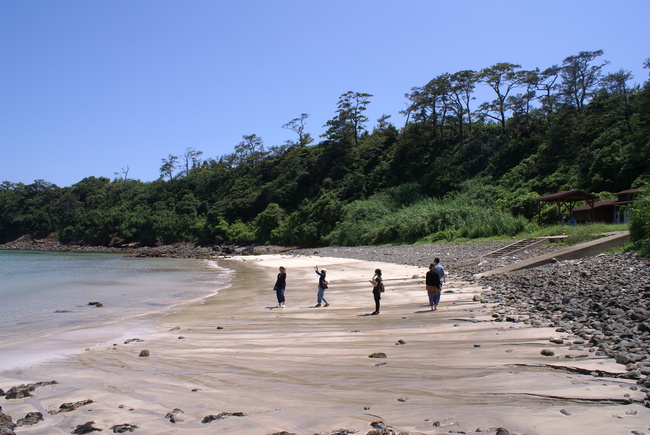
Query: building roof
[[597, 204], [606, 203], [624, 192], [569, 195]]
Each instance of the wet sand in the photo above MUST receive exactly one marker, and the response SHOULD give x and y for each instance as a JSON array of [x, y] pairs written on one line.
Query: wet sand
[[307, 370]]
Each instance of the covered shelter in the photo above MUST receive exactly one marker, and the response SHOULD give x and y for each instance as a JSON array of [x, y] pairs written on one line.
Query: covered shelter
[[567, 200], [613, 211]]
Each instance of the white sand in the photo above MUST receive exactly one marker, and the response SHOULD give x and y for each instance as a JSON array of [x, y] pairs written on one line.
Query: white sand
[[306, 370]]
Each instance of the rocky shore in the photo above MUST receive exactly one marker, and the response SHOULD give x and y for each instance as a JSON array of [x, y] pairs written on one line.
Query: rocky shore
[[175, 250], [604, 301]]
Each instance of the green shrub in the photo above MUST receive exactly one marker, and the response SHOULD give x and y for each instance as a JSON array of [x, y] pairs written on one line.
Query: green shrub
[[640, 224], [240, 233]]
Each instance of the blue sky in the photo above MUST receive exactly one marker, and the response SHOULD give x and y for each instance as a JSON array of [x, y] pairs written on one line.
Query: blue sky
[[91, 87]]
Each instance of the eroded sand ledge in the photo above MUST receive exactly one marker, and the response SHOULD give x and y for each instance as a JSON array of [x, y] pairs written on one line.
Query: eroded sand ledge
[[306, 370]]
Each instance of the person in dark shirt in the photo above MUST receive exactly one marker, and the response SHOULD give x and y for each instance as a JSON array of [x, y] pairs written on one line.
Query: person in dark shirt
[[377, 289], [280, 285], [322, 285], [433, 286]]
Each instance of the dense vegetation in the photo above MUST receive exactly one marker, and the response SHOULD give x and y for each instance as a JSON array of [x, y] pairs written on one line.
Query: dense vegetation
[[457, 169]]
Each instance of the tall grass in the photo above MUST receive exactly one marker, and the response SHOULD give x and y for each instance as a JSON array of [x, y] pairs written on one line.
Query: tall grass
[[387, 218]]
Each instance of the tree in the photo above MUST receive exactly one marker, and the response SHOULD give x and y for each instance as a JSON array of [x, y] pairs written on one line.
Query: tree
[[191, 160], [616, 84], [249, 151], [502, 78], [546, 82], [168, 167], [430, 104], [521, 104], [350, 120], [123, 174], [461, 86], [580, 77], [297, 125]]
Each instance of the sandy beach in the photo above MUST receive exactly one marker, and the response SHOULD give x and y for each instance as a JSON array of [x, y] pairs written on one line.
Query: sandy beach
[[236, 364]]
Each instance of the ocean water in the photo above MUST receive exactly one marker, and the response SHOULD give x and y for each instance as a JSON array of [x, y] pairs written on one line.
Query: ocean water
[[44, 299]]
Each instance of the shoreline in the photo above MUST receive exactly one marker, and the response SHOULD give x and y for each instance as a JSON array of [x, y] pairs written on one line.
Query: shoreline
[[174, 250], [126, 304], [308, 370]]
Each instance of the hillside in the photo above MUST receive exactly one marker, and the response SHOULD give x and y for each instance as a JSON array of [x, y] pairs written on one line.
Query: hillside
[[457, 169]]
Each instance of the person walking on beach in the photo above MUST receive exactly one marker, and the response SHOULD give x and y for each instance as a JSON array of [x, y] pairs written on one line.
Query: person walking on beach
[[433, 286], [280, 285], [322, 285], [377, 289], [440, 270]]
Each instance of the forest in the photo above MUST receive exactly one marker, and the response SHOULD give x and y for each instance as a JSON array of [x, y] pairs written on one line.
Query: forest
[[457, 169]]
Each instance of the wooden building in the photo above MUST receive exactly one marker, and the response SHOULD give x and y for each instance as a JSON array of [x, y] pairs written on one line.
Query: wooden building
[[566, 202], [612, 211]]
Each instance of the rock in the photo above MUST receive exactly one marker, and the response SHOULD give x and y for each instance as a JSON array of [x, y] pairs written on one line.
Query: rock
[[121, 428], [547, 352], [221, 416], [558, 340], [97, 304], [502, 431], [639, 314], [86, 428], [624, 358], [400, 342], [7, 426], [377, 355], [174, 417], [25, 390], [70, 406], [144, 353], [30, 419], [133, 340], [380, 428]]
